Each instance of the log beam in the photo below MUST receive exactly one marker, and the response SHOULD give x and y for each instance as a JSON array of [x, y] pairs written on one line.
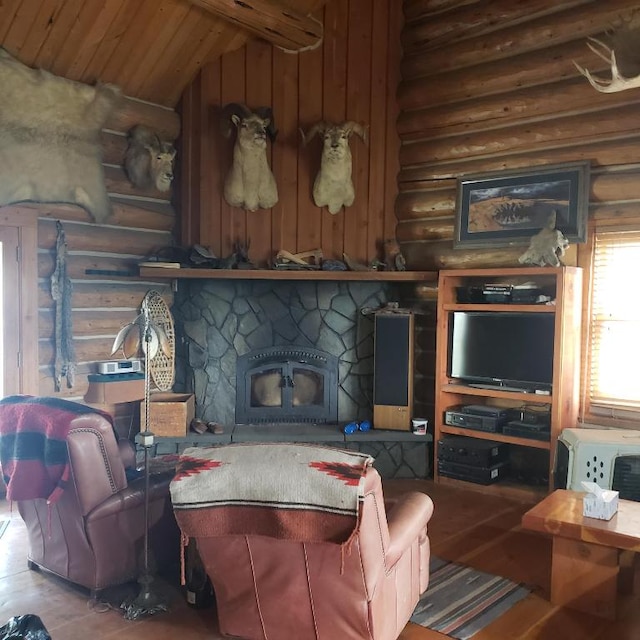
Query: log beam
[[269, 20]]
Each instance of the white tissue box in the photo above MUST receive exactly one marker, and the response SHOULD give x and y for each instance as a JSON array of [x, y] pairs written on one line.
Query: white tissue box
[[599, 503]]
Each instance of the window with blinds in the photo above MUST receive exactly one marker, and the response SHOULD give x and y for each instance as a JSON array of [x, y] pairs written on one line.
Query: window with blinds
[[614, 332]]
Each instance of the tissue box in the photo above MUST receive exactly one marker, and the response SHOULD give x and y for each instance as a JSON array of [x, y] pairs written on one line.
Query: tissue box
[[599, 503]]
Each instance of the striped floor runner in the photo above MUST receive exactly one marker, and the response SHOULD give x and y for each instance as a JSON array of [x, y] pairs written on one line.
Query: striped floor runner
[[3, 525], [460, 601]]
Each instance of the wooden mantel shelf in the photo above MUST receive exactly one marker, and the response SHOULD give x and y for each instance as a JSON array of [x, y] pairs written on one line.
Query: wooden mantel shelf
[[288, 274]]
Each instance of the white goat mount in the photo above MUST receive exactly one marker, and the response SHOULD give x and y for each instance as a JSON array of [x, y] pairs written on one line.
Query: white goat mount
[[333, 186], [250, 184]]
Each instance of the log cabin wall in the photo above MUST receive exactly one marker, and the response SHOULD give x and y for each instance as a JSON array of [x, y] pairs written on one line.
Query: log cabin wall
[[102, 258], [352, 75], [488, 86]]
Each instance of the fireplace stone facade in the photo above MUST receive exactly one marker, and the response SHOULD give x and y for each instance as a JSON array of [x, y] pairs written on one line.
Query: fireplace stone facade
[[221, 320]]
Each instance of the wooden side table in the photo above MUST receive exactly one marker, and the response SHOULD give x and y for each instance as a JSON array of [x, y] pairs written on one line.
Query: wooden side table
[[586, 552]]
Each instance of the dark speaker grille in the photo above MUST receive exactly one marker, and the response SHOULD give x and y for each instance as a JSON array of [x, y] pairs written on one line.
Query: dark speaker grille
[[562, 466], [626, 477], [391, 379]]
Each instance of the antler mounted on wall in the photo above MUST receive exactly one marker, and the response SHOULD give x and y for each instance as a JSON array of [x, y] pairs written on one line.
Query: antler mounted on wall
[[623, 56]]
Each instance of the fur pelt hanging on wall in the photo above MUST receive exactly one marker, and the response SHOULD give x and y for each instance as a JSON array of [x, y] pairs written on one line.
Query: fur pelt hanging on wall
[[50, 147]]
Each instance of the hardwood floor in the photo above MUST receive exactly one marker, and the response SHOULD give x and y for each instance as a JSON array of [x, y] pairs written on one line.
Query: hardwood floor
[[468, 527]]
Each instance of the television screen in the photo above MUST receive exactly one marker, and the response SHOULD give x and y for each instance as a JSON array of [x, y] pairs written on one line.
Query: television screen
[[502, 348]]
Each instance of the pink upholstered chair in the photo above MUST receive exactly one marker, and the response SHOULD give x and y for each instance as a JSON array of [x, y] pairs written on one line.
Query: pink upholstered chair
[[268, 588], [93, 534]]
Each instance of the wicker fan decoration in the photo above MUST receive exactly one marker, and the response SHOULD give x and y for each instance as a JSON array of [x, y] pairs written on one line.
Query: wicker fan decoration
[[152, 332]]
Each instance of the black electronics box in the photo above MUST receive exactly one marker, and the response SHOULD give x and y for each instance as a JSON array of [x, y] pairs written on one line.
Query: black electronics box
[[470, 473], [520, 429], [472, 451], [478, 417], [486, 294]]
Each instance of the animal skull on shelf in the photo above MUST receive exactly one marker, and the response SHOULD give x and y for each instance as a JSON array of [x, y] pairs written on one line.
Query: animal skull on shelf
[[623, 57], [547, 247], [333, 186]]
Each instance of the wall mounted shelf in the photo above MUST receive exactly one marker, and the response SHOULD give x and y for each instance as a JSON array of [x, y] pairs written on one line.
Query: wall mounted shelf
[[289, 274]]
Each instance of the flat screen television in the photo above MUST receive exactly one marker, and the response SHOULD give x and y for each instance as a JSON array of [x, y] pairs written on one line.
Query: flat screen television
[[502, 349]]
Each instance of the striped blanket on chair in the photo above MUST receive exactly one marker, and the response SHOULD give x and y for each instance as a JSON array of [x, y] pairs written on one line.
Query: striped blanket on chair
[[288, 491], [33, 445]]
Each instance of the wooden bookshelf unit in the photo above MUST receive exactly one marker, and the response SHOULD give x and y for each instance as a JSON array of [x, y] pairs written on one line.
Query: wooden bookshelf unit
[[564, 286]]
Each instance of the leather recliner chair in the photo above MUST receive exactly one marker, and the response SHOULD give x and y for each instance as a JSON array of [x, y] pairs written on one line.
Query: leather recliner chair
[[274, 589], [93, 535]]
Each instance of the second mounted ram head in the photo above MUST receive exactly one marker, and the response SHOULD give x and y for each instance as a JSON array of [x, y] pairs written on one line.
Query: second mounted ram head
[[250, 183], [333, 186], [148, 161]]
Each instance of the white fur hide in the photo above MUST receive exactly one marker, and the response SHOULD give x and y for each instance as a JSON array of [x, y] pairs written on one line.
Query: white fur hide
[[50, 147]]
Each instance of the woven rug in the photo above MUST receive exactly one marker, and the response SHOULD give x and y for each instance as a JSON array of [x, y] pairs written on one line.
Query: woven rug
[[461, 601]]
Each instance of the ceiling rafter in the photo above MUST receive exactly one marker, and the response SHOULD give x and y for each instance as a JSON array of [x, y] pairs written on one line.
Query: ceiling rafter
[[270, 20]]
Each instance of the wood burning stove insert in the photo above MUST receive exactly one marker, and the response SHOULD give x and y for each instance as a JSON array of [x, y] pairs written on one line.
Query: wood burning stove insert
[[286, 385]]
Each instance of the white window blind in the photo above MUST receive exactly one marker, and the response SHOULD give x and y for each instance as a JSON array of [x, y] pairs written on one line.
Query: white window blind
[[614, 383]]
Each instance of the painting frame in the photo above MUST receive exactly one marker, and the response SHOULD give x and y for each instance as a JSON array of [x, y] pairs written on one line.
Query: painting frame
[[507, 208]]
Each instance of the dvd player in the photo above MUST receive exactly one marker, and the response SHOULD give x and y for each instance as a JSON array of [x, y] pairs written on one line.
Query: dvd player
[[490, 423]]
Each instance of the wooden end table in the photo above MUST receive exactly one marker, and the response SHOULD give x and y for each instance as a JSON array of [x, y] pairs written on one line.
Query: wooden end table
[[585, 563]]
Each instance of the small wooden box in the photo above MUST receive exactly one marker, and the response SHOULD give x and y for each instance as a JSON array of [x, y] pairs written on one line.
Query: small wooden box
[[170, 414]]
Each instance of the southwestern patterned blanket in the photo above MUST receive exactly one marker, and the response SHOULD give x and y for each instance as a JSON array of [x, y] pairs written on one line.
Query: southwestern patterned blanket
[[288, 491]]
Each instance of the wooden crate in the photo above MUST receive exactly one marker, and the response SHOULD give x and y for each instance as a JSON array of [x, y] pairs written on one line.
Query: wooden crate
[[170, 414]]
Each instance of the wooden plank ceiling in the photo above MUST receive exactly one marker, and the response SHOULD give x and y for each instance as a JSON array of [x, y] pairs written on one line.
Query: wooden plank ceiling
[[151, 49]]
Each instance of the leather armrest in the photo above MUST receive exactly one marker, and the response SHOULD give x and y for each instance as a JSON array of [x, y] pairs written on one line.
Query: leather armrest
[[132, 497], [406, 521], [127, 453]]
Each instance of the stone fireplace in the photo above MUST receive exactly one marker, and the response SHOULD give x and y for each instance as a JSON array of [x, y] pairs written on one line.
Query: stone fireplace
[[296, 356], [286, 385], [231, 323]]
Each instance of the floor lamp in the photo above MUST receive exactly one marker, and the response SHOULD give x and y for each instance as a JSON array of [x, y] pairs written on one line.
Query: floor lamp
[[151, 333]]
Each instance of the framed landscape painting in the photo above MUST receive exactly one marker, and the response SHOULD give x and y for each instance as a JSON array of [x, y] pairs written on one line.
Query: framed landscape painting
[[508, 207]]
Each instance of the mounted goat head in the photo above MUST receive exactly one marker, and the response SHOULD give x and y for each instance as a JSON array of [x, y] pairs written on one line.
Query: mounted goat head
[[250, 183], [333, 187], [148, 160], [623, 55]]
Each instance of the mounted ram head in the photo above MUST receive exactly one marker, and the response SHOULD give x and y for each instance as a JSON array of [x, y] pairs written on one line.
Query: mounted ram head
[[148, 160], [250, 183], [622, 53], [333, 186]]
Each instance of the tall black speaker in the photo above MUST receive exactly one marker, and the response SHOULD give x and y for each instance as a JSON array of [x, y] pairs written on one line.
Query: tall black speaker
[[393, 371]]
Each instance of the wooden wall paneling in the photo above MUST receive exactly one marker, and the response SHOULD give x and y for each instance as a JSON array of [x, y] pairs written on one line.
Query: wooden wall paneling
[[159, 32], [119, 64], [176, 68], [310, 93], [99, 30], [435, 201], [259, 81], [520, 39], [84, 15], [19, 23], [475, 21], [192, 172], [564, 130], [377, 130], [334, 104], [131, 112], [358, 109], [416, 10], [87, 322], [119, 267], [609, 152], [233, 89], [211, 175], [392, 141], [285, 151], [494, 111], [40, 26], [8, 12]]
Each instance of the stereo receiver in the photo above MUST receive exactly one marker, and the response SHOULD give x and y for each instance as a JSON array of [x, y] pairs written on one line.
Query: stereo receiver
[[113, 367]]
